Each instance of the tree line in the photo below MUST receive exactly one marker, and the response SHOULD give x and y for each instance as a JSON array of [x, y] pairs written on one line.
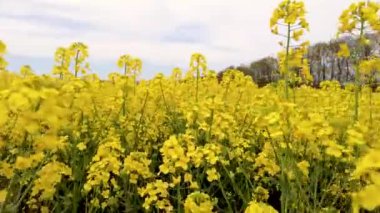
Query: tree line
[[324, 62]]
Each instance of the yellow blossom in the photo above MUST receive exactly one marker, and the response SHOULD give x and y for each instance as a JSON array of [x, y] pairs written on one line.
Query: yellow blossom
[[258, 207], [212, 174], [3, 195], [81, 146], [198, 202]]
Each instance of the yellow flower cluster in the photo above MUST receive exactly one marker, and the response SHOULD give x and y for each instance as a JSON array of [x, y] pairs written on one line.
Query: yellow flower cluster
[[103, 170], [265, 162], [370, 67], [48, 177], [3, 62], [136, 164], [296, 64], [156, 194], [360, 13], [344, 51], [258, 207], [368, 167], [32, 161], [131, 66], [198, 202], [290, 13], [173, 156]]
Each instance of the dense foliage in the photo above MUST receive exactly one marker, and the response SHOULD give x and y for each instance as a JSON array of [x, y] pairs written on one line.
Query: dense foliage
[[192, 142]]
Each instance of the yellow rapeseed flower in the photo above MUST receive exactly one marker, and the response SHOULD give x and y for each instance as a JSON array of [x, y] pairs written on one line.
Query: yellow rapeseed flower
[[258, 207], [198, 202], [3, 195]]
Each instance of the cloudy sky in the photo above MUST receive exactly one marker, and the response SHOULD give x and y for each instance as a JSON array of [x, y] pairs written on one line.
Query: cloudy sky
[[163, 33]]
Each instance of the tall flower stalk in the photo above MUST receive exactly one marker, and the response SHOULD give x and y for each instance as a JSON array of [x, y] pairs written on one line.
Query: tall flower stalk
[[358, 19], [198, 64], [79, 53], [62, 59], [288, 21], [3, 50]]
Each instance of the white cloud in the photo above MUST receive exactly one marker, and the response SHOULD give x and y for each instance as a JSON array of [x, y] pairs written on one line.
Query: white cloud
[[236, 31]]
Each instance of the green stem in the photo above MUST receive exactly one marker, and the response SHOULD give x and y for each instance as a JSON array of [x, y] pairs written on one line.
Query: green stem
[[225, 197], [226, 91], [370, 107], [134, 84], [76, 63], [163, 98], [61, 74], [5, 201], [142, 111], [357, 85], [197, 82], [357, 74], [179, 198], [234, 186], [287, 62], [211, 122]]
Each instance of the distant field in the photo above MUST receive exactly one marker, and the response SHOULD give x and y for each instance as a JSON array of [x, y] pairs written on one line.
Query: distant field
[[169, 144]]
